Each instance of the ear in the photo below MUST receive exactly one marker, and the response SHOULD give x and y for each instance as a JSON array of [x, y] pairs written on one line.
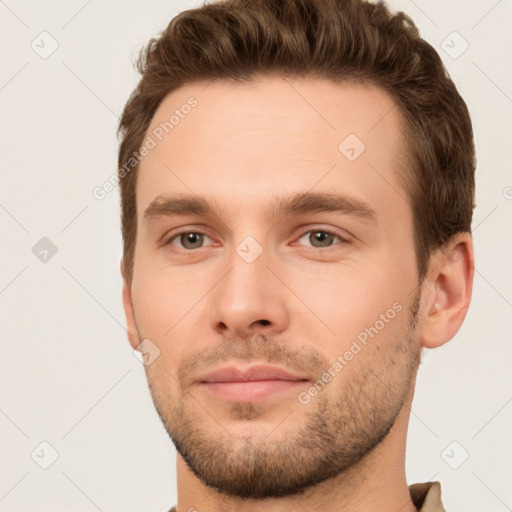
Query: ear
[[131, 326], [448, 286]]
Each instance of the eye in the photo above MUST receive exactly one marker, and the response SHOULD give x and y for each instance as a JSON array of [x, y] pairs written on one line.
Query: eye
[[321, 238], [188, 240], [318, 238]]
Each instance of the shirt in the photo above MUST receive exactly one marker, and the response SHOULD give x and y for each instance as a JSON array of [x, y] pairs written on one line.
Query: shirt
[[425, 496]]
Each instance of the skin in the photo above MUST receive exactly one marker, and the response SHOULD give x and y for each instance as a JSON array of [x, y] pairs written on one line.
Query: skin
[[299, 305]]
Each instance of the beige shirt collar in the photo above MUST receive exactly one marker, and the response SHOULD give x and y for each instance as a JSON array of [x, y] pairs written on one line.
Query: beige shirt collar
[[425, 496]]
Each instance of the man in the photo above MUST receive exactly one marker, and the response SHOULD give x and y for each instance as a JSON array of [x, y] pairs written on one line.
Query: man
[[297, 185]]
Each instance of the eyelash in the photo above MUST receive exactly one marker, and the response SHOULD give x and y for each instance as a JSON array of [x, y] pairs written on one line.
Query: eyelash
[[316, 230]]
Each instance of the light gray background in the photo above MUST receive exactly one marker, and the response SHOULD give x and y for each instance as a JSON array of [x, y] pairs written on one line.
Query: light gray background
[[67, 374]]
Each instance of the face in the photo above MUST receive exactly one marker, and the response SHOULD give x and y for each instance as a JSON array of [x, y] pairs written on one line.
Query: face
[[275, 275]]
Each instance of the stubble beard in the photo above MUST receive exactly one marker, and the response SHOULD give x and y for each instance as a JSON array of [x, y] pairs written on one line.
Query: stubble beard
[[333, 433]]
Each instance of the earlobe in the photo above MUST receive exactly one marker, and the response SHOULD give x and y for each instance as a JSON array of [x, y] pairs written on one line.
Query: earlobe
[[450, 282], [131, 326]]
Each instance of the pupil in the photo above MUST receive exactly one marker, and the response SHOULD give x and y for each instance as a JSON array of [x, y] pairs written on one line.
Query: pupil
[[321, 236], [192, 239]]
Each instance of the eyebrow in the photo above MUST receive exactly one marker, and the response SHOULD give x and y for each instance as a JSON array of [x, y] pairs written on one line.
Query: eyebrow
[[296, 204]]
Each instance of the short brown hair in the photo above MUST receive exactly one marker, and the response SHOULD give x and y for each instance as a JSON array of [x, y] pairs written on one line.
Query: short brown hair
[[337, 40]]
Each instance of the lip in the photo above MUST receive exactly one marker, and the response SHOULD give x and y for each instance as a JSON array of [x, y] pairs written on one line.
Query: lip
[[252, 384], [251, 374]]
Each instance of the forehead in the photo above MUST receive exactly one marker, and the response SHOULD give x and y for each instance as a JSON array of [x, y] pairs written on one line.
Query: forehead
[[256, 136]]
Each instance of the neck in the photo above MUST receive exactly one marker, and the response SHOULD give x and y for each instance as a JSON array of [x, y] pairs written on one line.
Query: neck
[[375, 483]]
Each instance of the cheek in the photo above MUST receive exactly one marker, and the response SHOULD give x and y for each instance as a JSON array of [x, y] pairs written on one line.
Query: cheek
[[346, 299], [161, 301], [172, 307]]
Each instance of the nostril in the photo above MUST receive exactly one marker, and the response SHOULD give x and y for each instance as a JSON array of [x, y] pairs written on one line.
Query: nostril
[[264, 322]]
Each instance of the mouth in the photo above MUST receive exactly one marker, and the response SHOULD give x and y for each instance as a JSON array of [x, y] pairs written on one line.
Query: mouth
[[255, 383]]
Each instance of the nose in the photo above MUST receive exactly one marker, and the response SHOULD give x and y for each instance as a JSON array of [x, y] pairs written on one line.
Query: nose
[[249, 300]]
